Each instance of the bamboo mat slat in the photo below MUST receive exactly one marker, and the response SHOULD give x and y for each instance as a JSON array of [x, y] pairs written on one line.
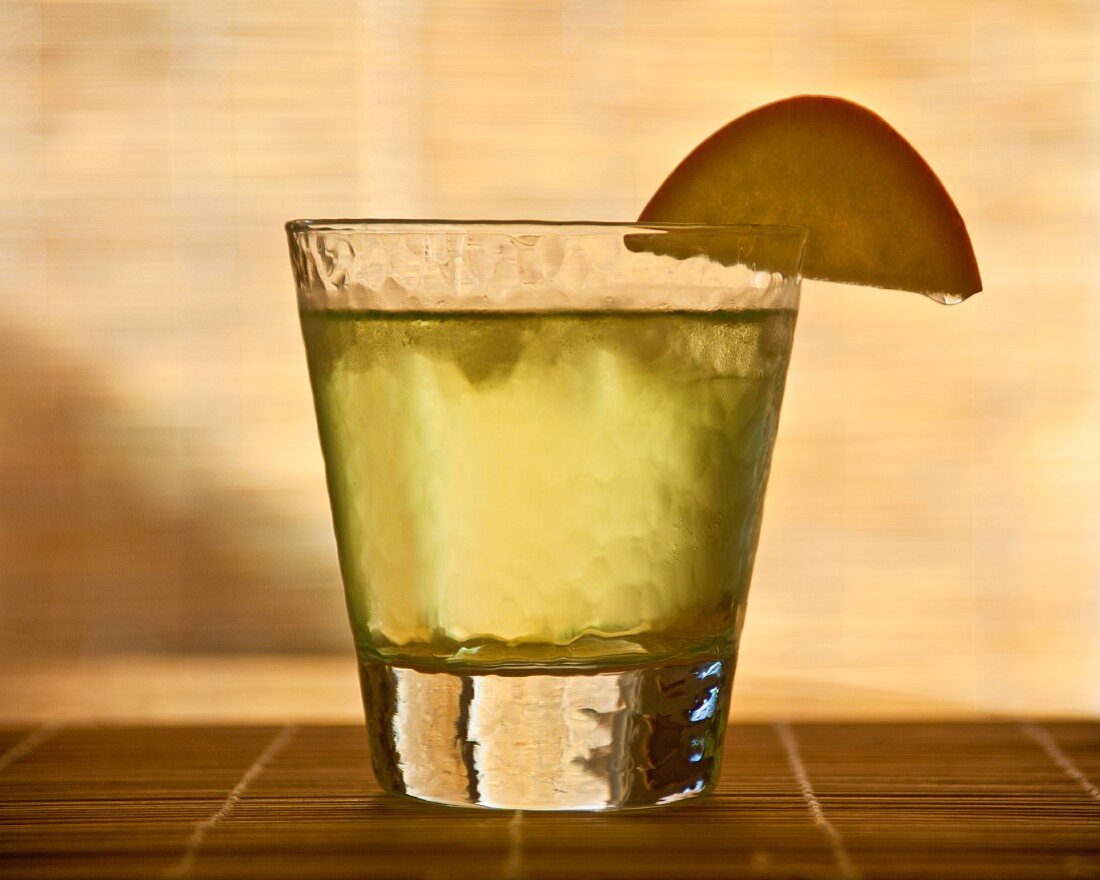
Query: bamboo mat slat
[[859, 800]]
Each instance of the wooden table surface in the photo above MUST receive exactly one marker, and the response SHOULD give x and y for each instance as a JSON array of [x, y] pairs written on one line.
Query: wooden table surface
[[831, 800]]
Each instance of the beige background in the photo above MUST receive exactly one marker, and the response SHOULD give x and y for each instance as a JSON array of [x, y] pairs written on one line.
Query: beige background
[[933, 525]]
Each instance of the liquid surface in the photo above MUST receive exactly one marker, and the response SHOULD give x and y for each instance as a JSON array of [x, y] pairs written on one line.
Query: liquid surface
[[528, 489]]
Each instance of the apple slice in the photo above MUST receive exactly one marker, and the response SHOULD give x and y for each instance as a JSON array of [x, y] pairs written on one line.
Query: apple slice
[[876, 213]]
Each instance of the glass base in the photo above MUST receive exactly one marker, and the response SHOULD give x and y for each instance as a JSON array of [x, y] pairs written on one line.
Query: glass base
[[548, 739]]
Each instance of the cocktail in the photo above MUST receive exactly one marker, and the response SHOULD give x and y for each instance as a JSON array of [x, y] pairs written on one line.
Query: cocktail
[[546, 448]]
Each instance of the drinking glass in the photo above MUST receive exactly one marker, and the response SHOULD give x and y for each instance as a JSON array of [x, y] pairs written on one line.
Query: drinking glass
[[546, 447]]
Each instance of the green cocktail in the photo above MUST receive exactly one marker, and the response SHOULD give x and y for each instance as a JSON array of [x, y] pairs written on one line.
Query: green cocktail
[[546, 495]]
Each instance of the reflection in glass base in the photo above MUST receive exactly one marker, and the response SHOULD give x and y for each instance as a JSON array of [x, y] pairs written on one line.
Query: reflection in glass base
[[564, 739]]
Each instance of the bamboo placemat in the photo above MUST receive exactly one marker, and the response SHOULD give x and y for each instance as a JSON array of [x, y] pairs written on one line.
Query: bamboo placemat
[[927, 800]]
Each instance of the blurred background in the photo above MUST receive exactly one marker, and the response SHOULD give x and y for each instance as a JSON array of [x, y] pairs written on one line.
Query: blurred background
[[932, 535]]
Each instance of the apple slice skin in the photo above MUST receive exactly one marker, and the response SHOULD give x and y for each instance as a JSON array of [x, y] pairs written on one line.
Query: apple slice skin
[[876, 213]]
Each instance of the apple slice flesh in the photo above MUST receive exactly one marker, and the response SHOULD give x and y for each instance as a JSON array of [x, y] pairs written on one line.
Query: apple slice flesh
[[875, 212]]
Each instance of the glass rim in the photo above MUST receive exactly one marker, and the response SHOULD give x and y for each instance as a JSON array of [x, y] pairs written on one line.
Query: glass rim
[[394, 265], [404, 226]]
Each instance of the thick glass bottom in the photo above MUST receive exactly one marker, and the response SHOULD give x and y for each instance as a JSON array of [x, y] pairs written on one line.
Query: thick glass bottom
[[548, 739]]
